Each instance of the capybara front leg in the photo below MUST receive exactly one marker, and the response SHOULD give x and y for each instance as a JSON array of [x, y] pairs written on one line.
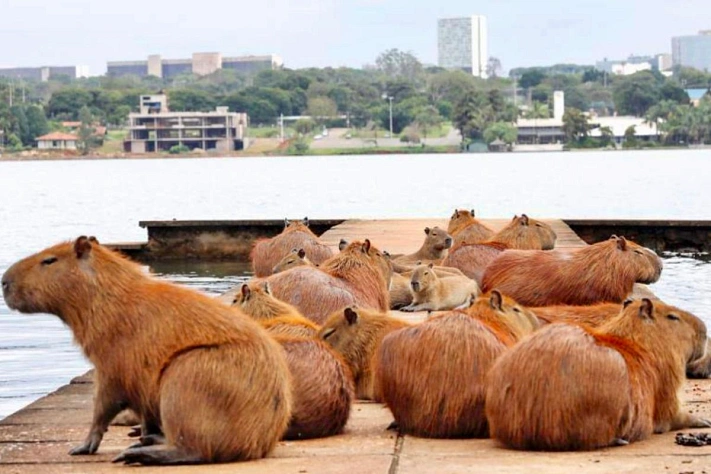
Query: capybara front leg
[[686, 420], [417, 307], [106, 407], [157, 456]]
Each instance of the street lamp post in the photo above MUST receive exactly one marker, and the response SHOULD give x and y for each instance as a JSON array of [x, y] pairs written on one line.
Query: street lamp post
[[385, 96]]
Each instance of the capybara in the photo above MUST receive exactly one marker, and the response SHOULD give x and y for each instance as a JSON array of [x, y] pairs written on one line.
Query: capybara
[[433, 249], [295, 258], [268, 252], [432, 375], [571, 387], [472, 259], [146, 338], [400, 293], [432, 293], [322, 388], [524, 233], [290, 326], [465, 227], [356, 334], [358, 275], [599, 273]]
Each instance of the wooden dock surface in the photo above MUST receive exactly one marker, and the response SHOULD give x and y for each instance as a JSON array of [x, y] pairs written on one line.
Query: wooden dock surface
[[36, 439]]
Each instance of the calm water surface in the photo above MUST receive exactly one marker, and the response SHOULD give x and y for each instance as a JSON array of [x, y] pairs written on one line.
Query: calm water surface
[[42, 203]]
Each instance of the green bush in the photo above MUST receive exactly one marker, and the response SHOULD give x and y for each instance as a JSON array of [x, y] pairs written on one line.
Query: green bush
[[178, 149], [298, 147]]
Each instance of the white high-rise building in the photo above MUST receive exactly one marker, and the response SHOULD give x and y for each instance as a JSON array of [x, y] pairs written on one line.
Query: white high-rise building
[[462, 44]]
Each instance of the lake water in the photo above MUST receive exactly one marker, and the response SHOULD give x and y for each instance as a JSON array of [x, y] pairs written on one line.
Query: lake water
[[42, 203]]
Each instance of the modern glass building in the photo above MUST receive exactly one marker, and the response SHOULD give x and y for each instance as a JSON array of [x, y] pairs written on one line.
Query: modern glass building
[[462, 44], [692, 51]]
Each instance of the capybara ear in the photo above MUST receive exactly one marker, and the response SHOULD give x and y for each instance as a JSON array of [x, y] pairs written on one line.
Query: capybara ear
[[514, 218], [350, 315], [306, 221], [427, 230], [386, 254], [613, 237], [524, 219], [246, 292], [627, 302], [82, 247], [93, 240], [294, 250], [622, 243], [301, 253], [366, 246], [343, 243], [266, 288], [456, 211], [431, 265], [646, 310], [473, 213], [496, 301]]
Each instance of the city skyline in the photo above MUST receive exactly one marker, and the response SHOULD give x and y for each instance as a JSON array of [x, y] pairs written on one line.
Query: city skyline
[[322, 33]]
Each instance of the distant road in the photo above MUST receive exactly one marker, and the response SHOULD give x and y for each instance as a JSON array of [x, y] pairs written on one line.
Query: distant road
[[335, 140]]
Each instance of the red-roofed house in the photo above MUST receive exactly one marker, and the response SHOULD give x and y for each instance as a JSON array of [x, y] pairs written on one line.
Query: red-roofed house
[[57, 141]]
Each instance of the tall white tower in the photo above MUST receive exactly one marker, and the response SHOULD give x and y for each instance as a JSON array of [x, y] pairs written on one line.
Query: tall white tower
[[462, 43]]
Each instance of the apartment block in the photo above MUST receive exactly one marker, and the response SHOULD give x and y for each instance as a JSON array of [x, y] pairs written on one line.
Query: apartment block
[[692, 51], [462, 43], [45, 73]]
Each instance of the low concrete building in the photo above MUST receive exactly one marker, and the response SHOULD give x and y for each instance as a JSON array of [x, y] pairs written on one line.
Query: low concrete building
[[200, 64], [57, 141], [156, 129], [45, 73], [619, 125]]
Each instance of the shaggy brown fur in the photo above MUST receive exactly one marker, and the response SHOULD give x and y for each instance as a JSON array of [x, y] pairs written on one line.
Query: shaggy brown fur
[[465, 228], [322, 388], [524, 233], [293, 326], [295, 258], [268, 252], [356, 334], [603, 272], [432, 293], [432, 376], [146, 337], [360, 275], [255, 299], [433, 249], [472, 259], [569, 387], [400, 294]]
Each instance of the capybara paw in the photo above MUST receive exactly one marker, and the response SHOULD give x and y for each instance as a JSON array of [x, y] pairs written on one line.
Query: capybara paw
[[135, 432], [86, 448], [700, 423], [394, 426], [620, 442], [407, 309], [133, 455]]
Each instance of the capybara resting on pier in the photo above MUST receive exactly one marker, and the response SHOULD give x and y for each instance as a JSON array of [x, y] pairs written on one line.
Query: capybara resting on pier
[[432, 375], [146, 338], [433, 249], [465, 227], [525, 233], [598, 273], [400, 292], [359, 275], [568, 387], [295, 258], [432, 293], [472, 259], [268, 252], [356, 334]]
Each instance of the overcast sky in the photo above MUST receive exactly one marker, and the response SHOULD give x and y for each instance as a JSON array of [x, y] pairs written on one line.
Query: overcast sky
[[335, 32]]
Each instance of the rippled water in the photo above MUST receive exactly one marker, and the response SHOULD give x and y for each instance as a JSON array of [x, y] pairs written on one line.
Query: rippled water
[[42, 203]]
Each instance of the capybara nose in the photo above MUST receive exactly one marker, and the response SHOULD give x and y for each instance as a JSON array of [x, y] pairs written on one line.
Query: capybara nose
[[415, 285], [5, 285], [448, 241]]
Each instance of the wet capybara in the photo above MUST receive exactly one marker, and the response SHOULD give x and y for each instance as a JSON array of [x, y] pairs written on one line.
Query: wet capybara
[[432, 375], [146, 337], [356, 334], [571, 387], [358, 275], [465, 227], [295, 258], [598, 273], [296, 234], [432, 293], [524, 233], [322, 388], [433, 249]]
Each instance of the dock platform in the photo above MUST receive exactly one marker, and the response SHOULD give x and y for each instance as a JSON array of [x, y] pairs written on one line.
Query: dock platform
[[37, 438]]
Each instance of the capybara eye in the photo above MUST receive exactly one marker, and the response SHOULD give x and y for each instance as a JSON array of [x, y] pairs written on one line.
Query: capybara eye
[[638, 252], [516, 310], [49, 260], [328, 333], [673, 317]]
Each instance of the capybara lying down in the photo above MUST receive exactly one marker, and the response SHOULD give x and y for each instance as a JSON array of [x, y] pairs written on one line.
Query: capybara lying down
[[433, 249], [295, 258], [569, 387], [268, 252], [400, 292], [598, 273], [358, 275], [356, 334], [146, 338], [432, 375], [432, 293], [465, 227], [525, 233]]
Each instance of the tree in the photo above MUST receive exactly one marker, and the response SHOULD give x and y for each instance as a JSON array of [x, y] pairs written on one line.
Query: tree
[[37, 123], [531, 78], [321, 109], [428, 119], [20, 125], [502, 131], [575, 125], [631, 140], [538, 110], [410, 136], [187, 100], [606, 136], [493, 67], [399, 64], [635, 94], [304, 126], [67, 103], [87, 140]]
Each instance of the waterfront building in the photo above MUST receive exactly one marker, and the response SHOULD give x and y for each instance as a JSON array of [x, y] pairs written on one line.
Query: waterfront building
[[462, 43], [57, 141], [156, 128], [44, 73], [200, 64], [692, 51]]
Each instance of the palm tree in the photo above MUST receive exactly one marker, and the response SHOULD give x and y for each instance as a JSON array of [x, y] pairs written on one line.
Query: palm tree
[[538, 110]]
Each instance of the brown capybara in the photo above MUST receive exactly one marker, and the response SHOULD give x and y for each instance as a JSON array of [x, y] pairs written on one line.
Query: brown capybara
[[268, 252], [400, 293], [290, 326], [571, 387], [600, 273], [358, 275], [322, 388], [432, 293], [432, 375], [356, 334], [433, 249], [524, 233], [146, 338], [295, 258], [472, 259], [464, 227]]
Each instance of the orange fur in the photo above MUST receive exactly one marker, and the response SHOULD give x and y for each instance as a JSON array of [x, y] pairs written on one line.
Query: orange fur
[[433, 249], [464, 227], [524, 233], [268, 252], [472, 259]]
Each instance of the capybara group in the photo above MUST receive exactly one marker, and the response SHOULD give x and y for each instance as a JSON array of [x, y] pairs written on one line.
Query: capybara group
[[433, 249], [599, 273], [568, 387], [432, 293], [432, 375], [296, 234], [146, 338]]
